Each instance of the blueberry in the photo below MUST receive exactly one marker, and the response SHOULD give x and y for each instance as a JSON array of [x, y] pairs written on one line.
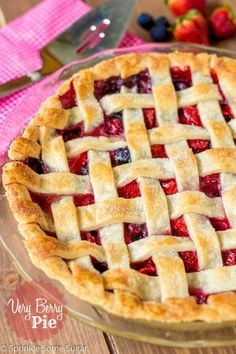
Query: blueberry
[[146, 21], [71, 134], [36, 165], [117, 115], [84, 170], [131, 81], [162, 21], [159, 33], [122, 156]]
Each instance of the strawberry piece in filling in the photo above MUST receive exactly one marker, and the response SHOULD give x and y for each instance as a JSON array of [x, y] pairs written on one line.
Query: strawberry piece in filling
[[145, 267], [134, 232], [190, 116], [83, 199], [199, 145], [182, 78], [210, 185], [200, 296], [220, 224], [229, 257], [190, 261], [178, 227], [68, 99], [169, 186], [150, 118], [79, 164], [225, 108], [130, 190], [158, 151], [91, 236]]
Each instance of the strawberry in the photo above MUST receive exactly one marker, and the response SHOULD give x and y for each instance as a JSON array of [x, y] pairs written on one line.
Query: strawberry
[[181, 7], [222, 22], [191, 28]]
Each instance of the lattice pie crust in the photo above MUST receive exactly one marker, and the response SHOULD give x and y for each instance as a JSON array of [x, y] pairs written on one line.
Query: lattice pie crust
[[53, 237]]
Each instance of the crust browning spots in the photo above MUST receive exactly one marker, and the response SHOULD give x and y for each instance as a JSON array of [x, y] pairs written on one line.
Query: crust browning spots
[[17, 172]]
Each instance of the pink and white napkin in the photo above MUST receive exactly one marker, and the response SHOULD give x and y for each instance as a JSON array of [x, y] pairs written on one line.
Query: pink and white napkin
[[22, 39]]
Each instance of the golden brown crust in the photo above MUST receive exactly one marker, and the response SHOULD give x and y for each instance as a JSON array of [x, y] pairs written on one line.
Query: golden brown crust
[[133, 295]]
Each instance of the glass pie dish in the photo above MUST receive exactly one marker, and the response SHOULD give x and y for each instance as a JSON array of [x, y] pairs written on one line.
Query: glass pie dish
[[185, 334]]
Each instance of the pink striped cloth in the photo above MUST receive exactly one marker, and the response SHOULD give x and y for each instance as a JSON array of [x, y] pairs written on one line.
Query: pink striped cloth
[[23, 38]]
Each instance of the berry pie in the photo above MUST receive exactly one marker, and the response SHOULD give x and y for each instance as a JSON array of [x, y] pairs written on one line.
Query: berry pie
[[124, 186]]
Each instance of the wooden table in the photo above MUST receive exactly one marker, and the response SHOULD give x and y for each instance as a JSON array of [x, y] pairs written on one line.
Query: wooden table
[[75, 332]]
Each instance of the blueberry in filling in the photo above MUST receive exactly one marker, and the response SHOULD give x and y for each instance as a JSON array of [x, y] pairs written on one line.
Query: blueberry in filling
[[36, 165], [122, 156]]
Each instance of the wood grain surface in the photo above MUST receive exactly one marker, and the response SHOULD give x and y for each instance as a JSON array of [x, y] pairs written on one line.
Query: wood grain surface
[[75, 332]]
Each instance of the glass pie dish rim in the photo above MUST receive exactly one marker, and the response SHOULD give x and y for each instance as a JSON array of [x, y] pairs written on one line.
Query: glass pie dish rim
[[51, 82]]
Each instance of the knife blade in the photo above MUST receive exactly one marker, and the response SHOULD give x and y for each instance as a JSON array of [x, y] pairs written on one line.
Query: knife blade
[[117, 12]]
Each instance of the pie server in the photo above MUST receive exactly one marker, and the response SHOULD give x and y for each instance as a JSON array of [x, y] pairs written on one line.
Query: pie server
[[63, 49]]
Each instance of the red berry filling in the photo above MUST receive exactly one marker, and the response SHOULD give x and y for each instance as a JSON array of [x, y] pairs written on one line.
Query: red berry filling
[[210, 185], [169, 186], [220, 224], [200, 296], [214, 77], [107, 87], [145, 267], [68, 99], [79, 164], [130, 190], [100, 266], [190, 261], [83, 199], [134, 232], [182, 78], [190, 116], [229, 257], [51, 234], [112, 126], [199, 145], [120, 156], [158, 151], [71, 132], [225, 108], [45, 200], [91, 236], [178, 227], [150, 118]]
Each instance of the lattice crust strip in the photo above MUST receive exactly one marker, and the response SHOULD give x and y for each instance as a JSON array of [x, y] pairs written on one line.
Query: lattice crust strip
[[68, 257]]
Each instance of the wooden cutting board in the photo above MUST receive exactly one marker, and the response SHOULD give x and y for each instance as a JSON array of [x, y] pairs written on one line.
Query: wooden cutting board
[[75, 332]]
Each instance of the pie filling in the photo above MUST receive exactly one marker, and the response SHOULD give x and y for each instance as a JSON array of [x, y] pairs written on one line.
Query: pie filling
[[113, 126]]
